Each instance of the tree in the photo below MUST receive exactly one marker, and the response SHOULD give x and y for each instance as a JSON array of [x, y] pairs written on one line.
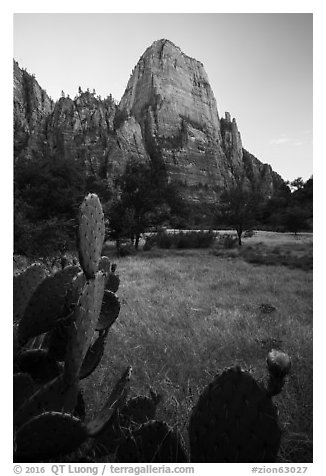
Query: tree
[[144, 199], [139, 195], [47, 194], [120, 223], [295, 219], [297, 184], [273, 209], [239, 208]]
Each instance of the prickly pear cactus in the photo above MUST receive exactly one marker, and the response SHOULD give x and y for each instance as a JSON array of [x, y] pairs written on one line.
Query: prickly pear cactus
[[234, 421], [93, 355], [138, 410], [25, 284], [61, 433], [91, 232], [135, 412], [112, 282], [109, 311], [116, 400], [152, 442], [84, 319], [56, 343], [52, 396], [279, 365], [23, 388], [39, 364], [47, 305]]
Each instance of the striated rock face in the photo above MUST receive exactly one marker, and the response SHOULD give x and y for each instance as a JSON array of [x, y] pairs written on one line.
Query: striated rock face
[[86, 129], [172, 86], [168, 106], [260, 175], [32, 106], [169, 95]]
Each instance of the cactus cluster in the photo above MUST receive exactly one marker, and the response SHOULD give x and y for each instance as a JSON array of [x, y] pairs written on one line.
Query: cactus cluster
[[234, 421], [61, 322]]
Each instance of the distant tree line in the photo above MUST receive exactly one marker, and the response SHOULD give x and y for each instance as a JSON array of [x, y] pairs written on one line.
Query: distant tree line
[[48, 192], [289, 209]]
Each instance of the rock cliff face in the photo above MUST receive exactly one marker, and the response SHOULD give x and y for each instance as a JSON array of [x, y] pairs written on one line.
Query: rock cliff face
[[168, 103], [31, 108], [169, 94]]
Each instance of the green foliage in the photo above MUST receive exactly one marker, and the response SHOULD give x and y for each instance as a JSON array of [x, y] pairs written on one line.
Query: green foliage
[[287, 211], [227, 241], [294, 219], [42, 237], [145, 199], [47, 195], [239, 207], [180, 240], [52, 188]]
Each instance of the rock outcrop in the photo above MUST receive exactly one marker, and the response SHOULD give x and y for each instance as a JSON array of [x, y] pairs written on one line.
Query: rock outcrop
[[169, 94], [168, 106], [32, 106]]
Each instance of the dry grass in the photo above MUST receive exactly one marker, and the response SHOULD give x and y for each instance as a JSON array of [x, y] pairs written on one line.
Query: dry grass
[[186, 314]]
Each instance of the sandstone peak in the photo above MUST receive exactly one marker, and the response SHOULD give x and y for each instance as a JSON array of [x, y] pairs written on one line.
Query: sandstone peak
[[168, 111], [171, 86]]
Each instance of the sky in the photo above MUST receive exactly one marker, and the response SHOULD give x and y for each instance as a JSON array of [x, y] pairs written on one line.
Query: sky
[[259, 66]]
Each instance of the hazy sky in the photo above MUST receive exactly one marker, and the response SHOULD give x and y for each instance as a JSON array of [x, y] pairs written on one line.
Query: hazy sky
[[259, 67]]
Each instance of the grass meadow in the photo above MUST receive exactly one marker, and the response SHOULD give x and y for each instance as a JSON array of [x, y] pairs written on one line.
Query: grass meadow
[[187, 314]]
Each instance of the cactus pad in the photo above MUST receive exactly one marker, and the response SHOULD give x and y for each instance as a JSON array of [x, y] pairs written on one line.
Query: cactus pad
[[138, 410], [109, 311], [84, 318], [47, 305], [112, 282], [115, 401], [23, 388], [93, 356], [91, 232], [75, 290], [279, 365], [49, 435], [25, 284], [104, 265], [152, 442], [53, 396], [234, 421], [57, 340], [39, 364], [80, 409]]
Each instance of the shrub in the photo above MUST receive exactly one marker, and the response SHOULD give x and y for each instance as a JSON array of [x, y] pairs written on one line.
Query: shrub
[[164, 240], [249, 234], [127, 250], [181, 240], [228, 241], [43, 237]]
